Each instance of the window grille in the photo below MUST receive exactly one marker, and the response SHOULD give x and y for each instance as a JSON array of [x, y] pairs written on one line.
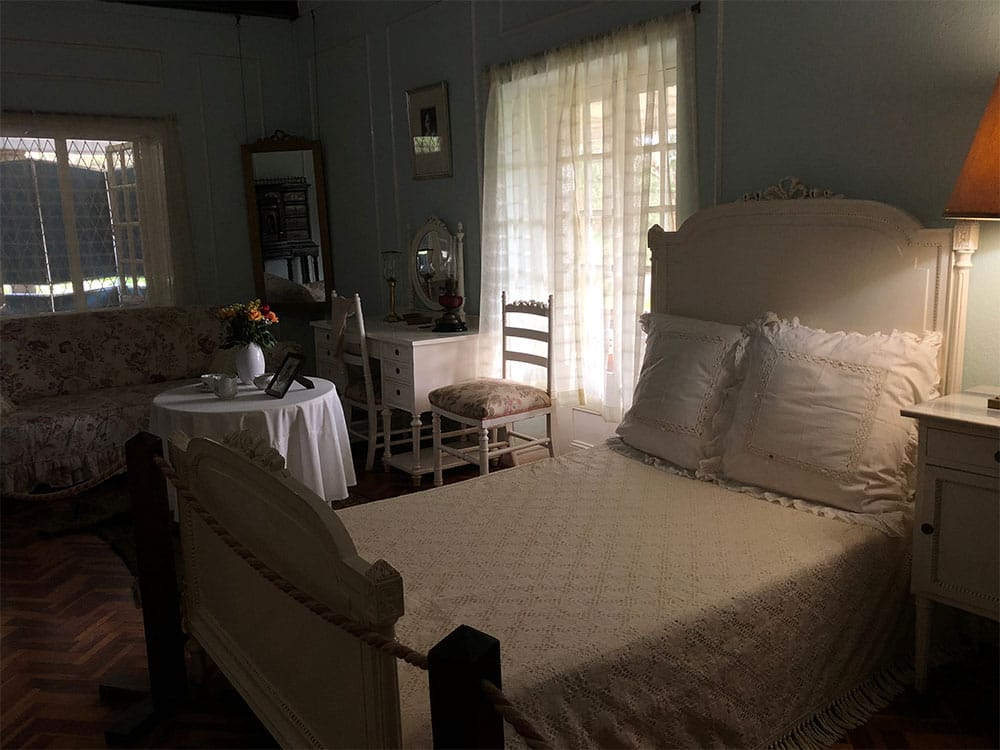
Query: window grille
[[76, 209]]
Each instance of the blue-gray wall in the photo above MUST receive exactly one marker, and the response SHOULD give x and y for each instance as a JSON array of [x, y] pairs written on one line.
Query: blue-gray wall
[[874, 99]]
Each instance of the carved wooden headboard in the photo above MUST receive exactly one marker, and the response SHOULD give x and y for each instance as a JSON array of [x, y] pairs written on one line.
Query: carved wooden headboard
[[836, 264]]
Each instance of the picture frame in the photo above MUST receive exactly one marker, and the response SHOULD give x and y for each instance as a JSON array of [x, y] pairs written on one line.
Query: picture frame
[[430, 131], [286, 375]]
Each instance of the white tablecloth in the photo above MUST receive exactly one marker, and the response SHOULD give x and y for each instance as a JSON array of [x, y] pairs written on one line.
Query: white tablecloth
[[307, 427]]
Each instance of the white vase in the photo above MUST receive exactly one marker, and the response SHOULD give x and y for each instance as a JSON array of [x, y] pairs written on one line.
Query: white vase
[[249, 362]]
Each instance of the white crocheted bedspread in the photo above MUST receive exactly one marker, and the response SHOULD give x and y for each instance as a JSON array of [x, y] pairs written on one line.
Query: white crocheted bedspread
[[636, 607]]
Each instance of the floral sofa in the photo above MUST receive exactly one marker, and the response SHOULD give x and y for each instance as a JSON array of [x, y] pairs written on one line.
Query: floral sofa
[[75, 386]]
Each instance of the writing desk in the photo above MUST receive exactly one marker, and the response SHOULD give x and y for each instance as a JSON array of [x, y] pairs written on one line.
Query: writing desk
[[414, 361]]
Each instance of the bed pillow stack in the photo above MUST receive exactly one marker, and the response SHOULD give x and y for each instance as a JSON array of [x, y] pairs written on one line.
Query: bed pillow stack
[[785, 411], [816, 414], [687, 368]]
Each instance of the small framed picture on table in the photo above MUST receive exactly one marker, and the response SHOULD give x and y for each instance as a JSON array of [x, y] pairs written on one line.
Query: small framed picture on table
[[285, 376]]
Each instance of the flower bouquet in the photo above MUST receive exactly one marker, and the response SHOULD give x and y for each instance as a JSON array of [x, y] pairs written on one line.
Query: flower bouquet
[[248, 324]]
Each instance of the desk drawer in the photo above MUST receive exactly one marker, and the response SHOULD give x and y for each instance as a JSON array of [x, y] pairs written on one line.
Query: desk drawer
[[324, 344], [397, 353], [979, 453], [398, 371], [397, 393]]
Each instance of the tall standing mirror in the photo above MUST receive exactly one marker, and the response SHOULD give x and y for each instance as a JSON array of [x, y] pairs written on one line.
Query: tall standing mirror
[[287, 219]]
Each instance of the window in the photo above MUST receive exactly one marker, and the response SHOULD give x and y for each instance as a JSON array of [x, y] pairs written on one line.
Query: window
[[84, 214], [586, 148]]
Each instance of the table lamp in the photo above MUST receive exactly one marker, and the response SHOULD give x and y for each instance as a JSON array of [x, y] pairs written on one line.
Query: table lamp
[[390, 272], [977, 193], [976, 197]]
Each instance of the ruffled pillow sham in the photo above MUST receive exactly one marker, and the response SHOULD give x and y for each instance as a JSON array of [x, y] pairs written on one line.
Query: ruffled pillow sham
[[687, 368], [815, 415]]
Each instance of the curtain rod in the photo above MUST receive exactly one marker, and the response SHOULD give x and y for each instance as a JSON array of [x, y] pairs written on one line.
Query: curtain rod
[[693, 9]]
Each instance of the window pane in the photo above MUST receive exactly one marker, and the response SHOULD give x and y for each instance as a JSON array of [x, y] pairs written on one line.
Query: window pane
[[70, 227]]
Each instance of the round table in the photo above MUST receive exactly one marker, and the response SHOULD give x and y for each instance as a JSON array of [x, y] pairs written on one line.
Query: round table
[[307, 427]]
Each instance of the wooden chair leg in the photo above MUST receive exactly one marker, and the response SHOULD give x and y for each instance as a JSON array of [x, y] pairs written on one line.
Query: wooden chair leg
[[548, 432], [436, 430], [484, 451], [387, 443], [372, 438]]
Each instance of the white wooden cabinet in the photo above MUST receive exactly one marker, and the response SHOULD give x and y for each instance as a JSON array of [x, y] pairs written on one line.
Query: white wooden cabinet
[[414, 361], [956, 533]]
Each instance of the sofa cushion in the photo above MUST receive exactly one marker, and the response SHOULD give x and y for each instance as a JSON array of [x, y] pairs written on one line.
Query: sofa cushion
[[63, 353], [60, 441]]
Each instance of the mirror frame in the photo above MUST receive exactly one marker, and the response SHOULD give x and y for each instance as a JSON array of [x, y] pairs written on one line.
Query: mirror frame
[[282, 141], [434, 224]]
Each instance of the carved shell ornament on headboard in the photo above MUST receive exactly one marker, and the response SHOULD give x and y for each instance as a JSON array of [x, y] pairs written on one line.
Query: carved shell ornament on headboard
[[790, 188]]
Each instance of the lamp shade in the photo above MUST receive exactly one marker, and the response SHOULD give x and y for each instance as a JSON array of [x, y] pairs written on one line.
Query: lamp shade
[[977, 192]]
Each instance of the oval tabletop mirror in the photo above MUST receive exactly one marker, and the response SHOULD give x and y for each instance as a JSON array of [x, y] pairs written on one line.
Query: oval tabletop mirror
[[436, 258], [286, 215]]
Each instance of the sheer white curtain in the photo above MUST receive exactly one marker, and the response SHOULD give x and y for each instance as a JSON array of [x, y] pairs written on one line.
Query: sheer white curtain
[[586, 148]]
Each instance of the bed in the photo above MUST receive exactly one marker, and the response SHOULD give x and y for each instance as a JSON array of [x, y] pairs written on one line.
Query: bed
[[714, 577]]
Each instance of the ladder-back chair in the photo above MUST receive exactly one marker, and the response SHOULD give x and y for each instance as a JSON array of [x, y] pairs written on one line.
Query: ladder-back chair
[[361, 389], [486, 405]]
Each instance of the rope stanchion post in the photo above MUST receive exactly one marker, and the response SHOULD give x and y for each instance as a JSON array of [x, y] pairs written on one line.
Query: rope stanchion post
[[157, 577], [154, 551], [462, 716]]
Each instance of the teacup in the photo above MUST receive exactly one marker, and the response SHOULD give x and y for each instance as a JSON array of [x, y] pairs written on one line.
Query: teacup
[[227, 386], [208, 380]]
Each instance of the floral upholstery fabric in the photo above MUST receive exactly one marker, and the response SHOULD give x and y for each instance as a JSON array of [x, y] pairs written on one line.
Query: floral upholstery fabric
[[75, 386], [60, 441], [487, 398], [56, 355]]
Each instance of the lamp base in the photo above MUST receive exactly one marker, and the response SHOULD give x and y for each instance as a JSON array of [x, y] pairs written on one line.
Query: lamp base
[[392, 318], [449, 323]]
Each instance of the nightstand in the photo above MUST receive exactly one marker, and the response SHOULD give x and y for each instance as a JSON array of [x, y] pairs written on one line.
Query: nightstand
[[956, 532]]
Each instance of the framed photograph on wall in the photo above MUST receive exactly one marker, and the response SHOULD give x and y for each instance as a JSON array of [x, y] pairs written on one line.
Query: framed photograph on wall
[[430, 131]]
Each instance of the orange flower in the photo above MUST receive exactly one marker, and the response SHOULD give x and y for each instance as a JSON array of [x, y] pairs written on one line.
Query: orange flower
[[247, 324]]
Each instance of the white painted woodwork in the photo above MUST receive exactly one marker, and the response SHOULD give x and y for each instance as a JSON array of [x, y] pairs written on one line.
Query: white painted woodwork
[[297, 672], [496, 436], [956, 544], [414, 361], [836, 264]]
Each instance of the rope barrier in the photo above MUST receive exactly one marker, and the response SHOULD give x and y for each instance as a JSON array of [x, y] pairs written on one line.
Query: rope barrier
[[69, 492], [518, 722]]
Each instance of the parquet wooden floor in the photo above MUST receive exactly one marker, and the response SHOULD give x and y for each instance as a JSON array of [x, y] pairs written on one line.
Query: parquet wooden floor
[[69, 624]]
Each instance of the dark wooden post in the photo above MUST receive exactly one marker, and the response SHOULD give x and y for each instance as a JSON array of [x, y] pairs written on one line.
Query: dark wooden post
[[154, 550], [152, 523], [461, 714]]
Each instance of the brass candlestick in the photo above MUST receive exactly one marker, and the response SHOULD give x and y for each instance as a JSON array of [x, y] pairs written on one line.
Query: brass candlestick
[[390, 272]]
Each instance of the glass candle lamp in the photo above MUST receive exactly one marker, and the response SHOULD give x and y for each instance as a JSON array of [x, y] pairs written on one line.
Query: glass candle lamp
[[390, 272]]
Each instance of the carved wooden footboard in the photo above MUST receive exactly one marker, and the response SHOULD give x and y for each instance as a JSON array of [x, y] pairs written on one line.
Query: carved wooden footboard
[[276, 595]]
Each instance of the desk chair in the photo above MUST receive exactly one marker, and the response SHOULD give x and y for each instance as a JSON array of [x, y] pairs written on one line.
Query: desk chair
[[485, 405], [362, 389]]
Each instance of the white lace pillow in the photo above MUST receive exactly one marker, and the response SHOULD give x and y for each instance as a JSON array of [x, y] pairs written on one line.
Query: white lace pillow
[[816, 415], [687, 367]]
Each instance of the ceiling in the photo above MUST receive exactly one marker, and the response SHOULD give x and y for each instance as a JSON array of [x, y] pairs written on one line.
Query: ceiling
[[288, 9]]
